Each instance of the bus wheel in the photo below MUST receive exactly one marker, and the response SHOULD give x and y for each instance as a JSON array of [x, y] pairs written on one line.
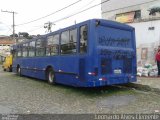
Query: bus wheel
[[19, 71], [50, 76]]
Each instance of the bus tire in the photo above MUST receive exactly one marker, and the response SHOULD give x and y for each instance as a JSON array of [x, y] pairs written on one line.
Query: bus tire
[[19, 71], [50, 76]]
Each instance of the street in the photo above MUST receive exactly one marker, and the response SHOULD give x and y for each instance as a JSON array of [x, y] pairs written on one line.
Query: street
[[22, 95]]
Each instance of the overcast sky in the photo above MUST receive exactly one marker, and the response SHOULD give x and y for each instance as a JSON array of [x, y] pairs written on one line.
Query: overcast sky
[[33, 9]]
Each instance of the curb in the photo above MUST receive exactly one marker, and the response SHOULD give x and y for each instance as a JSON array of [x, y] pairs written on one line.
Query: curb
[[143, 87]]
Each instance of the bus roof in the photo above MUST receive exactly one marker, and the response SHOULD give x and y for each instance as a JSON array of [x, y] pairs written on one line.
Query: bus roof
[[102, 21]]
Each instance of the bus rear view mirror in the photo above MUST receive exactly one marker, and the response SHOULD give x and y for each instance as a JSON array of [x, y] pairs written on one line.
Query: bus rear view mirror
[[97, 23]]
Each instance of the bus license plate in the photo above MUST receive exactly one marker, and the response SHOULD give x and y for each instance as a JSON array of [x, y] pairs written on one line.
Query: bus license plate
[[117, 71]]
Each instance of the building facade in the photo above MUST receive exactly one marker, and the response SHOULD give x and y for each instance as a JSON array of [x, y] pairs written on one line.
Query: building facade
[[5, 43], [144, 16]]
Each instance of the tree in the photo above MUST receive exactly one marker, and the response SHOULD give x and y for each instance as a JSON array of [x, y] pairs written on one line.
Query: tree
[[15, 35], [24, 34], [154, 10]]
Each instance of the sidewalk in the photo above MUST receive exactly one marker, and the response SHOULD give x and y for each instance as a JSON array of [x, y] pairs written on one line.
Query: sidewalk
[[152, 82], [146, 84]]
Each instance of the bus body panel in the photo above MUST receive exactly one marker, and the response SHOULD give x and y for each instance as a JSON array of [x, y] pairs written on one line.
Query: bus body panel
[[116, 53], [110, 57]]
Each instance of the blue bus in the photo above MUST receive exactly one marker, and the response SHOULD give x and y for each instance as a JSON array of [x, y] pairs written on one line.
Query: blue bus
[[92, 53]]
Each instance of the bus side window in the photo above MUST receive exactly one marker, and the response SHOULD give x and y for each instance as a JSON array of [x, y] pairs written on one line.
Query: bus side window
[[19, 51], [83, 39], [25, 50], [13, 52], [65, 42], [73, 41], [31, 49], [40, 47], [52, 45], [69, 41]]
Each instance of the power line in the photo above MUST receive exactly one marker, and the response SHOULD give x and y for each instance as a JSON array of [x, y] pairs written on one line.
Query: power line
[[88, 4], [49, 24], [80, 11], [130, 6], [50, 13], [35, 29], [74, 14]]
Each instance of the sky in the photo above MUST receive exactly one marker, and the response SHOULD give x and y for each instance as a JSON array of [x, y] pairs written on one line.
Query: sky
[[30, 10]]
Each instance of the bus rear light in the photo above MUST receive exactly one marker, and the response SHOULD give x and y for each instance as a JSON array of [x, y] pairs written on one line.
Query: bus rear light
[[92, 73], [60, 70], [102, 79]]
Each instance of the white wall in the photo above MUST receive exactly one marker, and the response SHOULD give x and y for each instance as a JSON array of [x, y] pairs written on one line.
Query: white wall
[[4, 50], [111, 8], [143, 35]]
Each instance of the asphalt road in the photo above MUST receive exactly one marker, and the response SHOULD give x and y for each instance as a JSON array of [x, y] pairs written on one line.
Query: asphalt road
[[19, 95]]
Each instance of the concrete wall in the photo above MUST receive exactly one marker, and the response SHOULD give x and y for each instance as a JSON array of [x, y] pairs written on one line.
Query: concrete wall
[[111, 8], [145, 38], [150, 53], [144, 35], [5, 49]]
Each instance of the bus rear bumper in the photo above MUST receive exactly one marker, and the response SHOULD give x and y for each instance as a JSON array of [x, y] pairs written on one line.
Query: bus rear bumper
[[111, 81]]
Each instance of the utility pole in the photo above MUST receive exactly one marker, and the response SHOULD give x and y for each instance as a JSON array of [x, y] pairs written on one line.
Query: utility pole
[[48, 26], [13, 22]]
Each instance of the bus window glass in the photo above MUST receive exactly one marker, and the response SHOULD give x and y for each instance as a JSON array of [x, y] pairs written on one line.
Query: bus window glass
[[83, 39], [52, 45], [19, 51], [73, 40], [25, 50], [32, 49], [40, 47], [65, 42]]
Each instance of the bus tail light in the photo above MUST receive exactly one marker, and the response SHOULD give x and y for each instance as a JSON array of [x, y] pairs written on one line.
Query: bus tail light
[[60, 70], [102, 79], [92, 73], [95, 73]]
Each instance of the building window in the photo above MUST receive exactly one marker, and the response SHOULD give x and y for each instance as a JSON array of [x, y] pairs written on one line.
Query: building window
[[144, 53], [151, 28], [137, 14], [128, 17]]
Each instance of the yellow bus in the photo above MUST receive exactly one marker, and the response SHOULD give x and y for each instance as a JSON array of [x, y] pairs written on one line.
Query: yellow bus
[[7, 64]]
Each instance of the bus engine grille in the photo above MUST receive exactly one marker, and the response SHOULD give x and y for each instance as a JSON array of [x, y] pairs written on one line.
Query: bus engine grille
[[127, 65], [106, 66]]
